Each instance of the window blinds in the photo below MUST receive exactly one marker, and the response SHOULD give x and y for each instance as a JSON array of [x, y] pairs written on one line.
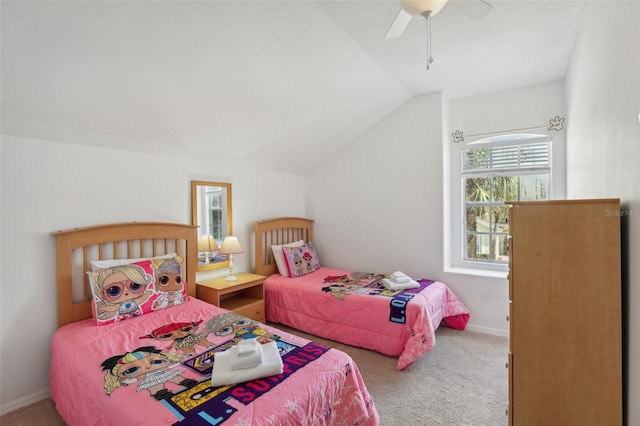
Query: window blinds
[[507, 157]]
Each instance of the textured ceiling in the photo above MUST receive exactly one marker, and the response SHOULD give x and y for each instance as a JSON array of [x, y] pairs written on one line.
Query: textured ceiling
[[285, 83]]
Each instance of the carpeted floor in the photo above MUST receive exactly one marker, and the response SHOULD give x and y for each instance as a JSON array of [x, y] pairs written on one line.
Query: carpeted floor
[[42, 413], [461, 382]]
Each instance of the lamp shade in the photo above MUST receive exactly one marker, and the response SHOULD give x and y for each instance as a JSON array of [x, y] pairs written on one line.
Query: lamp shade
[[207, 243], [231, 245]]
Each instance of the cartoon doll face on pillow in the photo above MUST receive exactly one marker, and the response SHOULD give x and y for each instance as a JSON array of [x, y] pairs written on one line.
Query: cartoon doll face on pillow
[[169, 282], [168, 276], [122, 290]]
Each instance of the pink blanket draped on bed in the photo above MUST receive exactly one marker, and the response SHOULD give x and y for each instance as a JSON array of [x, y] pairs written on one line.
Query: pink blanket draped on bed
[[156, 369], [359, 311]]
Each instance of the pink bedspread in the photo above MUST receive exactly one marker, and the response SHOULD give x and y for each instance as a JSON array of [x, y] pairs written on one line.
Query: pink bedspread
[[156, 370], [329, 303]]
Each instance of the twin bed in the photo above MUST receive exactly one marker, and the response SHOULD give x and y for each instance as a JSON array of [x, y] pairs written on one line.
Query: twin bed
[[349, 306], [152, 363], [139, 349]]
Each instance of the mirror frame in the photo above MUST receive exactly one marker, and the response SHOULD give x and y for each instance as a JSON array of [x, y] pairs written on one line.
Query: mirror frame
[[195, 184]]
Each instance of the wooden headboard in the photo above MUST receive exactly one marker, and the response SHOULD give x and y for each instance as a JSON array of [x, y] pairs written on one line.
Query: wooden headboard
[[279, 231], [76, 248]]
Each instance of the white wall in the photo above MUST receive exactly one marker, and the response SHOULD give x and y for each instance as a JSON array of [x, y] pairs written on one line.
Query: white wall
[[379, 204], [603, 147], [48, 186]]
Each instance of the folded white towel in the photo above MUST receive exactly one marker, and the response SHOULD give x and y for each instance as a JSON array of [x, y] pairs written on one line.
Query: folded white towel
[[246, 354], [400, 277], [246, 346], [223, 374], [392, 285], [398, 274]]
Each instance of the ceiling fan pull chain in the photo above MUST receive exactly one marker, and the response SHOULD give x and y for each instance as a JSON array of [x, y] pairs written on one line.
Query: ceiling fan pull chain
[[427, 16]]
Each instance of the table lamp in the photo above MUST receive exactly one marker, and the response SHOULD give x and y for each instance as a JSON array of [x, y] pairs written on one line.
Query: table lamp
[[231, 245]]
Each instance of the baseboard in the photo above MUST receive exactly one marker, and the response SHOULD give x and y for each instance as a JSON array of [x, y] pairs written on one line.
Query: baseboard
[[488, 330], [24, 401]]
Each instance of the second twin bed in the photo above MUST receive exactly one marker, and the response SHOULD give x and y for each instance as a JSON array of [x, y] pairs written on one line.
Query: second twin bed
[[348, 306]]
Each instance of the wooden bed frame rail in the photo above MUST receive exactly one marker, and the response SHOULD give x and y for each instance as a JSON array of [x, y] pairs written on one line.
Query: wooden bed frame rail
[[76, 248], [282, 230]]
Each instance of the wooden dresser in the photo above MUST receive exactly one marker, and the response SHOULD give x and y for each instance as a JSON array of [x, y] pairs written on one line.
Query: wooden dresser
[[565, 361]]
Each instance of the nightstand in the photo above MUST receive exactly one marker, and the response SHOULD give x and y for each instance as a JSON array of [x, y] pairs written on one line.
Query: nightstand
[[244, 296]]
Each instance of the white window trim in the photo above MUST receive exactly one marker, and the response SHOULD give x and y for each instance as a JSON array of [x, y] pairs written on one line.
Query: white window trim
[[453, 201]]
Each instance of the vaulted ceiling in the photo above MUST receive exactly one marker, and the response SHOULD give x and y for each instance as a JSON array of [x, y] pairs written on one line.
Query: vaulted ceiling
[[283, 82]]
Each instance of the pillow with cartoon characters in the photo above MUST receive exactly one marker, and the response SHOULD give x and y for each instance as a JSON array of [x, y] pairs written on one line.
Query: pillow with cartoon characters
[[124, 289], [278, 256], [301, 260]]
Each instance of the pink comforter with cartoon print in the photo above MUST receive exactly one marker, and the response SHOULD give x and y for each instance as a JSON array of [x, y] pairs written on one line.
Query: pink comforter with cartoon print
[[356, 309], [156, 369]]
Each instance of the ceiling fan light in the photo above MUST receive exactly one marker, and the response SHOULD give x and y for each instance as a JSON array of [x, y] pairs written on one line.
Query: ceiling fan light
[[419, 7]]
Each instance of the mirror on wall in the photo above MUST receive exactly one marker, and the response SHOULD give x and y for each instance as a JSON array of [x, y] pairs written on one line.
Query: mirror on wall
[[211, 211]]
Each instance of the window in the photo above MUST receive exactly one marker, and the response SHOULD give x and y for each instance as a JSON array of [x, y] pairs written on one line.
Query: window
[[493, 171], [213, 197]]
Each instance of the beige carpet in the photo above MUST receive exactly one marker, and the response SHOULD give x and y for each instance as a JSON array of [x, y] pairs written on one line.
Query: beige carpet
[[41, 413], [462, 381]]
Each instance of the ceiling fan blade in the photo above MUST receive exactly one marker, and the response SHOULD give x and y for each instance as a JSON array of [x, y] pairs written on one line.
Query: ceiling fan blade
[[399, 24], [475, 9]]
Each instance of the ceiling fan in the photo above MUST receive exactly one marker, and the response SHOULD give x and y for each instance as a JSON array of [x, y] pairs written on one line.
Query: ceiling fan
[[473, 9]]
